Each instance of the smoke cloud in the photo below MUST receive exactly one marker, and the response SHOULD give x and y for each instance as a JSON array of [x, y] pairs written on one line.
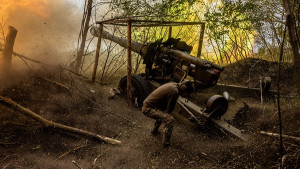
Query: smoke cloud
[[47, 30]]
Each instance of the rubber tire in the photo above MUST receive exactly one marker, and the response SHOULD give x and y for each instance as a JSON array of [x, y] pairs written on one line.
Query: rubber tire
[[266, 83], [215, 101], [139, 86]]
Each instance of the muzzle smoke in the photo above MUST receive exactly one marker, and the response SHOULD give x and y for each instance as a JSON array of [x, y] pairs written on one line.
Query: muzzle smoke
[[47, 29]]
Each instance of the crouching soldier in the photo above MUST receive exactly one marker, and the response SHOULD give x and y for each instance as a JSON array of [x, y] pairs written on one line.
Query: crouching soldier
[[161, 102]]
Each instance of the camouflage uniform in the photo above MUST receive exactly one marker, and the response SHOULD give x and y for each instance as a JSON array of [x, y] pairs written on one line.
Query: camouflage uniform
[[160, 118], [160, 100]]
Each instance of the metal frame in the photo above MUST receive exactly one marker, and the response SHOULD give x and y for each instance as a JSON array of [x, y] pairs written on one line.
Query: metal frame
[[132, 22]]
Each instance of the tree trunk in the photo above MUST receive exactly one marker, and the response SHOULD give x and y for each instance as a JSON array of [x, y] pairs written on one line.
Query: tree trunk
[[8, 48], [290, 22], [84, 35]]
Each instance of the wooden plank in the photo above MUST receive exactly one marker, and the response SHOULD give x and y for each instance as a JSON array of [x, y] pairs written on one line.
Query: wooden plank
[[124, 20], [150, 25], [146, 23], [168, 22]]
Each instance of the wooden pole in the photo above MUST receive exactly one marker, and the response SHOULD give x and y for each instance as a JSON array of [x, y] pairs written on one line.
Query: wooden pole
[[170, 31], [281, 150], [261, 91], [100, 30], [129, 62], [201, 40], [8, 48], [47, 123]]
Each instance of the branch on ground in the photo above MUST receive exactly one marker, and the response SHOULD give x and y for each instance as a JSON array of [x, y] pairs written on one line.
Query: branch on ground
[[47, 123], [277, 135]]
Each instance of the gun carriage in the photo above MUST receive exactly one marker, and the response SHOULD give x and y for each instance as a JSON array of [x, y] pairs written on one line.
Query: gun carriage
[[170, 61]]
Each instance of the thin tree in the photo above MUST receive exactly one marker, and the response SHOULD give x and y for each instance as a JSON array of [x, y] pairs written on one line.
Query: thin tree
[[293, 39], [83, 32]]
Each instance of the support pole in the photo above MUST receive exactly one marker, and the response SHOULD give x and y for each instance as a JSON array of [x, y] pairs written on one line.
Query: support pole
[[281, 149], [201, 40], [129, 94], [100, 30], [170, 31], [261, 90], [8, 48]]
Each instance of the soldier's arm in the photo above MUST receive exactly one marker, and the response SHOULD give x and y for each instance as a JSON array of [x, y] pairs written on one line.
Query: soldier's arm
[[171, 102]]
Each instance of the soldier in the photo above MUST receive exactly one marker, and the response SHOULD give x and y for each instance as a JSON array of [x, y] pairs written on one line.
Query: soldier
[[161, 102]]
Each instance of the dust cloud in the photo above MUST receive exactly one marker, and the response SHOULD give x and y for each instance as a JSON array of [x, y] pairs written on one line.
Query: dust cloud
[[49, 36]]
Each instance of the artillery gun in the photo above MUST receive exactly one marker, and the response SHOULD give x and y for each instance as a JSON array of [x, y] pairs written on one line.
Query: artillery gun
[[170, 61]]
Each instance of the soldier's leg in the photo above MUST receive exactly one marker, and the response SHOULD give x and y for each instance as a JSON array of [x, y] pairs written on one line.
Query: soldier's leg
[[154, 114], [156, 126], [168, 120]]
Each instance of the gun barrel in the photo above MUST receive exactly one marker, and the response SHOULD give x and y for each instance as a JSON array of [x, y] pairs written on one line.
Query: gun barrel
[[142, 49], [135, 47], [190, 58]]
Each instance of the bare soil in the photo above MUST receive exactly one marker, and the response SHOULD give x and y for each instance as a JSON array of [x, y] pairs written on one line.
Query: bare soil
[[248, 71], [24, 143]]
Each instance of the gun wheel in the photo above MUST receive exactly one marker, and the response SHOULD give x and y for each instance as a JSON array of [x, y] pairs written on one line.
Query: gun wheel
[[139, 88], [266, 83], [216, 106]]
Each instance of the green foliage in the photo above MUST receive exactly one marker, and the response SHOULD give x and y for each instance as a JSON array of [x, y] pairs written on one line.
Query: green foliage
[[238, 29], [151, 8], [235, 29], [230, 28]]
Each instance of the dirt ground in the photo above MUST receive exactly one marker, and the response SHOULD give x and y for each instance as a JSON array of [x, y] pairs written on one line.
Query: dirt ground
[[24, 143]]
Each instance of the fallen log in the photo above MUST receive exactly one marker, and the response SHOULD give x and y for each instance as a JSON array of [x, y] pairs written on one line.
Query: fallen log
[[277, 135], [47, 123]]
